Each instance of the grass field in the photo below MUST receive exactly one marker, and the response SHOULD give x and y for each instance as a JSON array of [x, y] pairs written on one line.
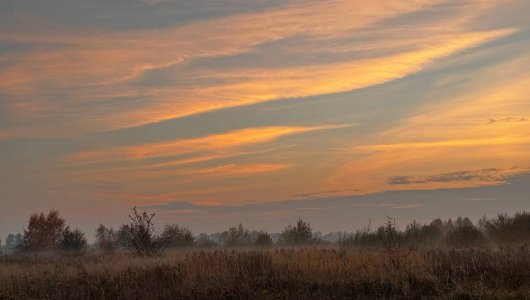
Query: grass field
[[295, 273]]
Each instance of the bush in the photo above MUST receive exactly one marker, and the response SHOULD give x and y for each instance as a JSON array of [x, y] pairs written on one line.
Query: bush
[[300, 234], [263, 239], [504, 229], [143, 236], [124, 237], [237, 236], [464, 237], [177, 236], [72, 240]]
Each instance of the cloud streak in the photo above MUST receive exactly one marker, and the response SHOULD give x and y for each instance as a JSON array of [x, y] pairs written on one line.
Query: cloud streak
[[489, 175], [211, 143], [97, 70], [442, 136]]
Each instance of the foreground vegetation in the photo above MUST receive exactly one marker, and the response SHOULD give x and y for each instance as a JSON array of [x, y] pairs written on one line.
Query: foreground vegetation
[[295, 273], [438, 260], [49, 232]]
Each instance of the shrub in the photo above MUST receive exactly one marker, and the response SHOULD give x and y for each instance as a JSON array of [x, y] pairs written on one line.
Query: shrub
[[504, 229], [142, 232], [124, 237], [464, 237], [72, 240], [263, 239], [237, 236], [177, 236], [300, 234]]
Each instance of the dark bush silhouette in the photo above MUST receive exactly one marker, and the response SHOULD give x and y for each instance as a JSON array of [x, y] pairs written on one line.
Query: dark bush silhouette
[[177, 236], [362, 237], [237, 236], [72, 240], [144, 238], [263, 239], [392, 238], [124, 237], [43, 232], [504, 229], [393, 242], [465, 236], [299, 234]]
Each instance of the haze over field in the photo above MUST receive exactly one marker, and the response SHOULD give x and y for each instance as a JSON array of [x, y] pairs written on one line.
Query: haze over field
[[212, 113]]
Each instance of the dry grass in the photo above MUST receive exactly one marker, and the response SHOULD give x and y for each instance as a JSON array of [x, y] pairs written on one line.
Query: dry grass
[[315, 273]]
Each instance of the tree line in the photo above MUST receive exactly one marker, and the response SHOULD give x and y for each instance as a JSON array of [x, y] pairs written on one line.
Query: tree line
[[49, 232]]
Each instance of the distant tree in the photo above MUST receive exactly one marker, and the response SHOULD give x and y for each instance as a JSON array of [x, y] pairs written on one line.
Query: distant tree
[[437, 224], [18, 239], [299, 234], [434, 232], [43, 231], [72, 240], [465, 236], [106, 238], [448, 227], [237, 236], [414, 233], [463, 222], [263, 239], [124, 237], [10, 241], [504, 229], [177, 236], [143, 234], [203, 240], [391, 236]]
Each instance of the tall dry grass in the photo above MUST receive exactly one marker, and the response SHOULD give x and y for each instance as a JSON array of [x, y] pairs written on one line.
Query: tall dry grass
[[303, 273]]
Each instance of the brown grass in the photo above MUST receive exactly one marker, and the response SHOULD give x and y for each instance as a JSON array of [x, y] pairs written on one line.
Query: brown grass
[[307, 273]]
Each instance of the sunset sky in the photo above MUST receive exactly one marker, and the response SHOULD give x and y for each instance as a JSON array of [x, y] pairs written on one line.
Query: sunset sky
[[211, 113]]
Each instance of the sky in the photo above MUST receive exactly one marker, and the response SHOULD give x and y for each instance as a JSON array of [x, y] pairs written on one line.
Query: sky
[[211, 113]]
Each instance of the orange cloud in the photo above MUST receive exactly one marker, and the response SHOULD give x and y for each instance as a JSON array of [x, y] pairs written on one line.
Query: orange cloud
[[89, 68], [233, 169], [450, 137], [212, 143]]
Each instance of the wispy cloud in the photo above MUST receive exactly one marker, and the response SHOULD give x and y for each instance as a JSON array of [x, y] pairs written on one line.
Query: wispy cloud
[[489, 175], [212, 143], [443, 136], [86, 82], [507, 120]]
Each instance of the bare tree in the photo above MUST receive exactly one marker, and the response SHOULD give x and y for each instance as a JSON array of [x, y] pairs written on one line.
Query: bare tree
[[144, 236]]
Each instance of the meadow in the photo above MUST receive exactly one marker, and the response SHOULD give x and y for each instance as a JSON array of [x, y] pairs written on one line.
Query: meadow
[[325, 272], [436, 260]]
